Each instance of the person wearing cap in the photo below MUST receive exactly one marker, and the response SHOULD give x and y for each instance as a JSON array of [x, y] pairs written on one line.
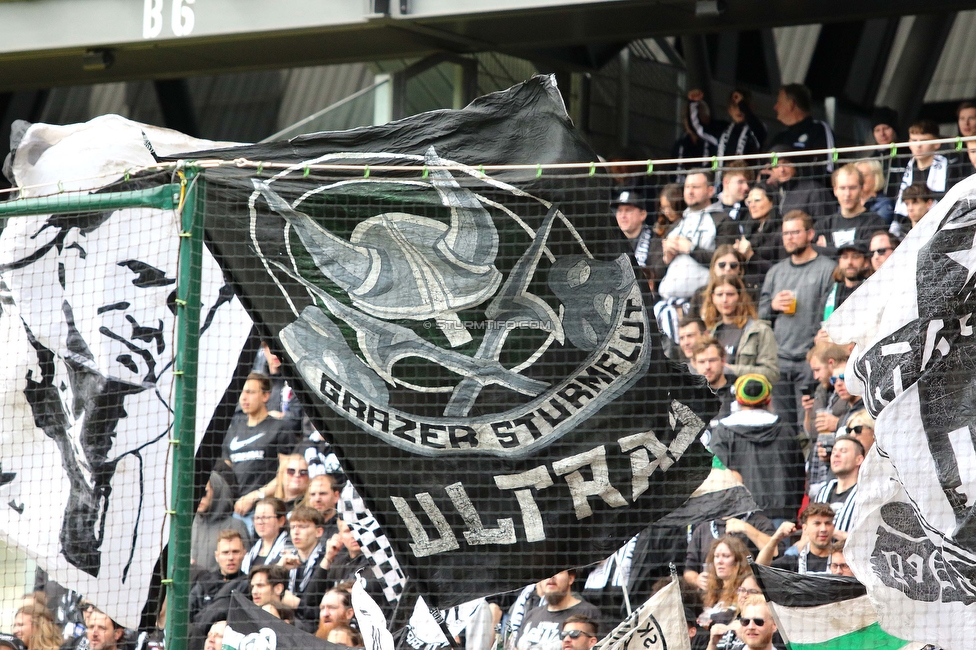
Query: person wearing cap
[[762, 448], [631, 212], [853, 222], [792, 191], [884, 125], [853, 268], [841, 491]]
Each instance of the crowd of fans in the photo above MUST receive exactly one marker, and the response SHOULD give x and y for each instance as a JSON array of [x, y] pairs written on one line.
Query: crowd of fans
[[745, 264]]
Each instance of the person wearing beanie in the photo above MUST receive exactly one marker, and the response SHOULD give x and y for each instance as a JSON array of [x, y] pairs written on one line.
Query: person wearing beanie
[[884, 125], [765, 450]]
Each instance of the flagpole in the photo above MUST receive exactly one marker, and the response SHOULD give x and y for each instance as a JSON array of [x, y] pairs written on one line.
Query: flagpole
[[184, 412]]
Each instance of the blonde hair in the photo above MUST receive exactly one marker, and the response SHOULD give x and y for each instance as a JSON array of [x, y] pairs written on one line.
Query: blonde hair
[[44, 634], [862, 418], [874, 170], [279, 491]]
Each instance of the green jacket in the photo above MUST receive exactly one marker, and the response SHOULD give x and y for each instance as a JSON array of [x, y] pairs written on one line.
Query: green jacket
[[757, 351]]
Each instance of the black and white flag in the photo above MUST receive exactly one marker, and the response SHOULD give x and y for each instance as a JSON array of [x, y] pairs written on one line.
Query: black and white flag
[[88, 332], [475, 343], [250, 627], [658, 624], [913, 540]]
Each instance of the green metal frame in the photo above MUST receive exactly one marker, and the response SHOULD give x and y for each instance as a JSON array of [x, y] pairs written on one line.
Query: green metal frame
[[163, 197]]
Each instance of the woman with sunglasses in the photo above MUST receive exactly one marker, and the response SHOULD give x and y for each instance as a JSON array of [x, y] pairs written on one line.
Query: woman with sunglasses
[[761, 243], [292, 480], [269, 526], [726, 262], [726, 567], [861, 426], [731, 317]]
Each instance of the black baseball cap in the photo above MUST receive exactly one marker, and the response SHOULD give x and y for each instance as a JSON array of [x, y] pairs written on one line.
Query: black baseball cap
[[631, 196], [12, 642], [856, 245]]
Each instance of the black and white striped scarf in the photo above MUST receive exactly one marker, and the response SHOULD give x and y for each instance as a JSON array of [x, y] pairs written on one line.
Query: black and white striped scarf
[[280, 544], [842, 519]]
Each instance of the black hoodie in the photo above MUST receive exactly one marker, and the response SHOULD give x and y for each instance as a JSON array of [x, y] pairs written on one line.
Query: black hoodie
[[207, 525], [766, 452]]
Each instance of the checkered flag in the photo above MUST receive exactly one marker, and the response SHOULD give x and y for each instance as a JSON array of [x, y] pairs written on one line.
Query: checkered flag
[[374, 543]]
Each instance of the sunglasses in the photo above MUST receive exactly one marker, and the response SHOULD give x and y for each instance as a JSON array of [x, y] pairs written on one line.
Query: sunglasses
[[880, 251], [575, 634], [834, 380], [858, 429], [746, 622], [293, 471], [731, 265]]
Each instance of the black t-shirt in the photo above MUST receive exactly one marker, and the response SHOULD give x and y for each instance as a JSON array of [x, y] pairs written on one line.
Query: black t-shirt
[[707, 532], [729, 336], [815, 563], [837, 499], [840, 231], [540, 627], [253, 451]]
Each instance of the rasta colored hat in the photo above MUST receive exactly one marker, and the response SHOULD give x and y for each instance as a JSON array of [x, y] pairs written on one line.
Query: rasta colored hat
[[752, 390]]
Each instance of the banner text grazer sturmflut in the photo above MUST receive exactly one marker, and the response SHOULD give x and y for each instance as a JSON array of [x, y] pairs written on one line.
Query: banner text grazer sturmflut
[[478, 347]]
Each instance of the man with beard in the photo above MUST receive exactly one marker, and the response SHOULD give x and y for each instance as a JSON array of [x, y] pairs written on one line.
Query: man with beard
[[541, 627], [755, 625], [323, 495], [853, 268], [792, 298], [335, 609], [103, 632], [812, 551], [852, 223]]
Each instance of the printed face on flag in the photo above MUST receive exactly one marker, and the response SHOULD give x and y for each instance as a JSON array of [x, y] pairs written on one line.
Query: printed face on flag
[[914, 532], [89, 322]]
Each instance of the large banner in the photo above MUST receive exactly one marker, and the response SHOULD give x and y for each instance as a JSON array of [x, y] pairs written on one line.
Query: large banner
[[913, 541], [88, 329], [477, 344]]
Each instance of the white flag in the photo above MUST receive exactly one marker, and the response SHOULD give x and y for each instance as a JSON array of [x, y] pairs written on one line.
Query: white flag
[[370, 617], [88, 332], [913, 539], [658, 624]]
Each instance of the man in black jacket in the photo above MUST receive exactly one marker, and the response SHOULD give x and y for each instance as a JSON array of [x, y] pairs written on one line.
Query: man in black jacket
[[763, 449], [229, 554], [802, 133]]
